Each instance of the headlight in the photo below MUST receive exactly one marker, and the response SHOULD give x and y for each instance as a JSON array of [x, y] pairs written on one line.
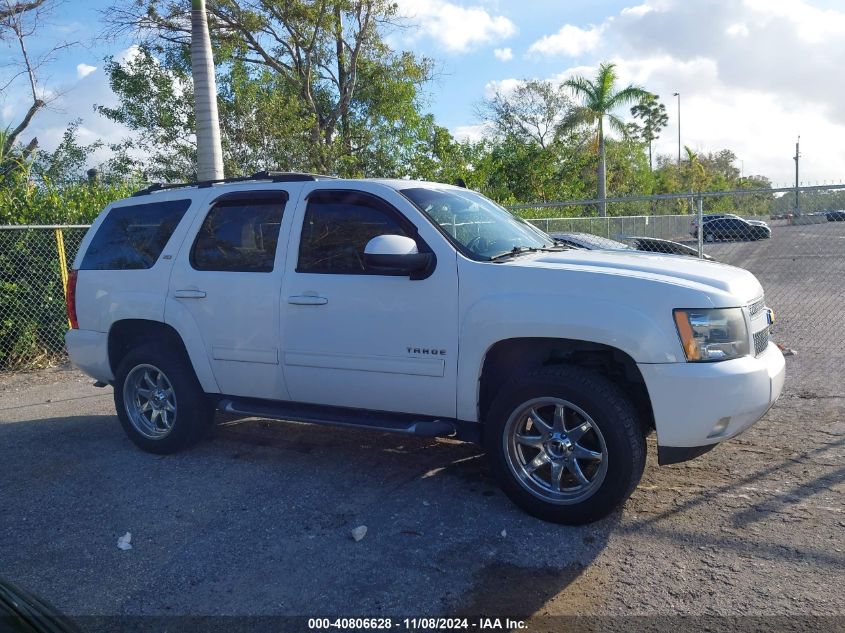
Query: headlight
[[712, 334]]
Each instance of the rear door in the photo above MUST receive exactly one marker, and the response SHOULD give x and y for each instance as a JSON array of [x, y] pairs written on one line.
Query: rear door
[[226, 284], [357, 338]]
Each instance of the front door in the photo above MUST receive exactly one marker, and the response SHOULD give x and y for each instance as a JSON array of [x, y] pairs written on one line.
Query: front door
[[227, 282], [357, 338]]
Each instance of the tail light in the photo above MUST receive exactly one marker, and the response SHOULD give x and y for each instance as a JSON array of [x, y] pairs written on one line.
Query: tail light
[[70, 300]]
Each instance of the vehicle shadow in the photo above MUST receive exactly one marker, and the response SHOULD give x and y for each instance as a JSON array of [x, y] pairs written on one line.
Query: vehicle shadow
[[791, 497], [738, 483]]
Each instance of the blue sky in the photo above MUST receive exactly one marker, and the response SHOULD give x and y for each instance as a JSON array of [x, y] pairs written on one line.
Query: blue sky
[[753, 74]]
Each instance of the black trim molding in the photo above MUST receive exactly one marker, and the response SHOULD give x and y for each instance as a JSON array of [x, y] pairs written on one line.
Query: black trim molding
[[676, 454]]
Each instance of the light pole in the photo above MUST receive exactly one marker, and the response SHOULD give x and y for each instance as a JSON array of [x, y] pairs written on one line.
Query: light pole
[[678, 94], [796, 158]]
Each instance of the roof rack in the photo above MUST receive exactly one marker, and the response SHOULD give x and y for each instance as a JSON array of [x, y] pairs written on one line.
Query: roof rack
[[272, 176]]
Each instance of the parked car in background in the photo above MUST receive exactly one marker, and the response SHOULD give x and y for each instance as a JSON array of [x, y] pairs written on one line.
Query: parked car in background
[[693, 227], [735, 229], [590, 242], [835, 216], [648, 244], [657, 245], [720, 216]]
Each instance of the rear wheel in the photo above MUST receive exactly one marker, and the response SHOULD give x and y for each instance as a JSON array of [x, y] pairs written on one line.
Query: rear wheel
[[159, 400], [565, 444]]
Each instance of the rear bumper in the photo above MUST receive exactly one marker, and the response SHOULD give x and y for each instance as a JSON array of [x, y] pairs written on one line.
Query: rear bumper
[[698, 405], [89, 352]]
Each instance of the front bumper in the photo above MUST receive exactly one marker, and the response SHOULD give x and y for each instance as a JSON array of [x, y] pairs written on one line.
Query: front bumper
[[698, 405], [88, 350]]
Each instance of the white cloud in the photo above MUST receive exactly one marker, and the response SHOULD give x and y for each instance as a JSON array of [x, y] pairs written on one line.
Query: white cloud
[[455, 28], [83, 70], [569, 40], [638, 10], [740, 30], [501, 86], [472, 133], [503, 54]]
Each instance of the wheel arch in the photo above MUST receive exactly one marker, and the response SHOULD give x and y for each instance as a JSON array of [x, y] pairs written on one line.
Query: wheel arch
[[127, 334], [506, 357]]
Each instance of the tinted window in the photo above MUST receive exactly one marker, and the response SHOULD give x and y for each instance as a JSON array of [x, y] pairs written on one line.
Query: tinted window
[[240, 233], [336, 230], [133, 237]]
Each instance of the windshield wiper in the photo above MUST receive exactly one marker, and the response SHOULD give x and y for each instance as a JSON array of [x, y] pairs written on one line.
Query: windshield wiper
[[519, 250]]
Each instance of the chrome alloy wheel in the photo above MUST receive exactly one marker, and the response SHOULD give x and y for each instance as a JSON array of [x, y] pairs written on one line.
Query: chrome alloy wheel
[[150, 401], [555, 450]]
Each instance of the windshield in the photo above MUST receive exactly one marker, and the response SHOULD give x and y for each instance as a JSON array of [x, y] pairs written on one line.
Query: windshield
[[480, 226]]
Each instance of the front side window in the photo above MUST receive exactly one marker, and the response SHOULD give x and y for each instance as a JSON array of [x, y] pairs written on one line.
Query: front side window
[[240, 234], [337, 227], [478, 226], [133, 237]]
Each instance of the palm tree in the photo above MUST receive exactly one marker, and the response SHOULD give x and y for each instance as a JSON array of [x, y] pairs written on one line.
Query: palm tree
[[696, 174], [599, 99], [209, 151]]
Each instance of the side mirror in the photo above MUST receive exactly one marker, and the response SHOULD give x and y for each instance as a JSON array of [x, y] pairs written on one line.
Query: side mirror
[[395, 254]]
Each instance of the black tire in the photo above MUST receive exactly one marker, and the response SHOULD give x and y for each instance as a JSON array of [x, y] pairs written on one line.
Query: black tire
[[193, 413], [608, 409]]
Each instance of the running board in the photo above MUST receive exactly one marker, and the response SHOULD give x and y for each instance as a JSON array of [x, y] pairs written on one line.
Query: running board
[[339, 416]]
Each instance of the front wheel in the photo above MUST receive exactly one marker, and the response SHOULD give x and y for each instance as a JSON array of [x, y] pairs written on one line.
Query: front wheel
[[565, 444], [159, 400]]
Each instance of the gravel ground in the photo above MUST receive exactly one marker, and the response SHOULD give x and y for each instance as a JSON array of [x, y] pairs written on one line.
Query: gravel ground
[[257, 521]]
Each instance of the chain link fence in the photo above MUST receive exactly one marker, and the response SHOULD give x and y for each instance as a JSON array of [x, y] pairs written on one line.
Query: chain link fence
[[33, 318], [798, 257]]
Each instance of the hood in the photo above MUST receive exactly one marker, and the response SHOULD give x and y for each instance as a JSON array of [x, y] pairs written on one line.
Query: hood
[[703, 275]]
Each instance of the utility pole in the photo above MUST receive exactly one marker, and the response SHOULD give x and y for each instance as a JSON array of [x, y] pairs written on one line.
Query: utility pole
[[795, 158], [678, 94]]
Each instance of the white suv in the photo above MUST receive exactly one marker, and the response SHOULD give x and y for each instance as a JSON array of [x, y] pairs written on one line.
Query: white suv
[[418, 308]]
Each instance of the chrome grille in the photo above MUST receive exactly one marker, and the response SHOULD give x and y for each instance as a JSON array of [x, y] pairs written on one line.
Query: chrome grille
[[758, 305], [761, 341]]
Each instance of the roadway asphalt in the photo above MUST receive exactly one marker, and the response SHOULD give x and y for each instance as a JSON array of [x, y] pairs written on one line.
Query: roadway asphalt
[[258, 520]]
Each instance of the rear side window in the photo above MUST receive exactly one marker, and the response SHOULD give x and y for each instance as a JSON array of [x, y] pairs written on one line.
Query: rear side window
[[240, 233], [133, 237], [337, 227]]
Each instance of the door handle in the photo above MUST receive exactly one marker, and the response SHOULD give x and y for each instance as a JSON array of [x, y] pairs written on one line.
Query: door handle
[[307, 300], [189, 293]]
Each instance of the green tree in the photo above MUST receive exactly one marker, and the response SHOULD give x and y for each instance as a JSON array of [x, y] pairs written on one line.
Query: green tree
[[653, 117], [532, 112], [321, 52], [599, 98], [156, 103], [532, 156]]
